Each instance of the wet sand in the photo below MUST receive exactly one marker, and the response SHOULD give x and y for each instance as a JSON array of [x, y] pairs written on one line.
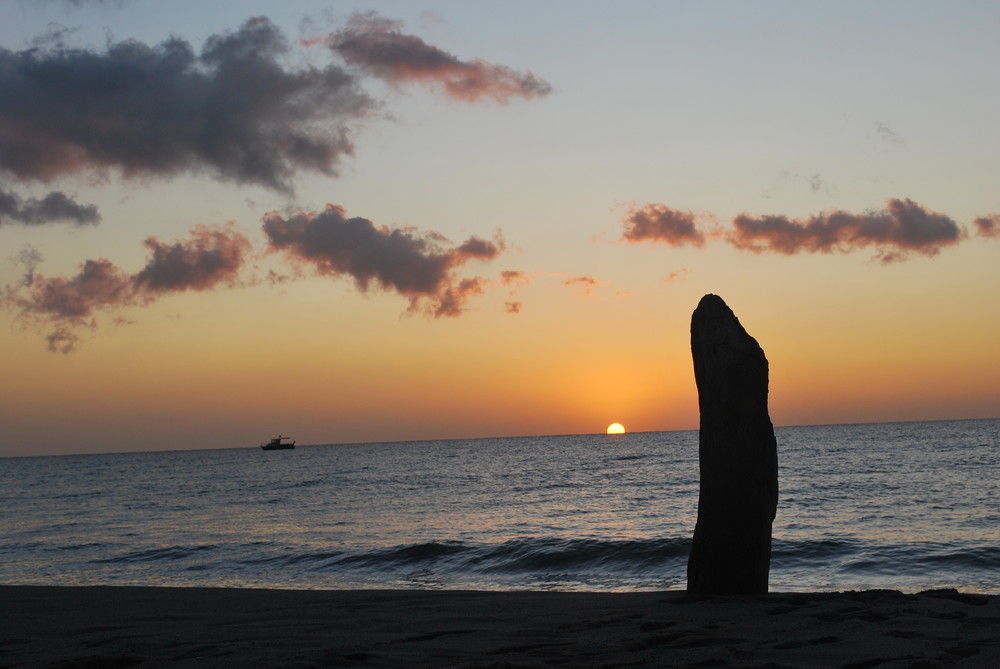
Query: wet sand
[[112, 627]]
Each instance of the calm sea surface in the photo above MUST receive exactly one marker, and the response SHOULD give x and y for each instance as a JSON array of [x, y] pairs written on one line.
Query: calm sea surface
[[909, 506]]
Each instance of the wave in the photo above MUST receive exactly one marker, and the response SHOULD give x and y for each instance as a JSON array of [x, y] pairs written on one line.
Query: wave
[[630, 563], [518, 556], [165, 553], [629, 558]]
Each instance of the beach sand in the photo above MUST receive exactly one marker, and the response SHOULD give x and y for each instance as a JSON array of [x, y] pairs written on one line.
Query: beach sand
[[112, 627]]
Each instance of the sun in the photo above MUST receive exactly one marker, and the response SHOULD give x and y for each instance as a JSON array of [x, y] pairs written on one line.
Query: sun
[[616, 428]]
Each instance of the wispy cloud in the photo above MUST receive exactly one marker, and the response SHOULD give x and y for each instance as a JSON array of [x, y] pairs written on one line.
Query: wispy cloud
[[887, 134], [902, 228], [415, 265], [585, 283], [80, 3], [515, 277], [377, 46], [676, 275]]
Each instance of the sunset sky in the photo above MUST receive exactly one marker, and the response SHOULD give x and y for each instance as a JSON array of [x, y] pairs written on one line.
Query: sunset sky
[[380, 221]]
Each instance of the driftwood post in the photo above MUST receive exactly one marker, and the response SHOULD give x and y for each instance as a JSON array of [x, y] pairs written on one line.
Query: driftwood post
[[737, 453]]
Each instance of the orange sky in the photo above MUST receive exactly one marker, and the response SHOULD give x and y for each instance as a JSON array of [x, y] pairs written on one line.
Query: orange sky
[[847, 216]]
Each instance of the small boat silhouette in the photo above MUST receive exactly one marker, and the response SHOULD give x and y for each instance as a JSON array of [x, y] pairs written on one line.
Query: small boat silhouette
[[277, 444]]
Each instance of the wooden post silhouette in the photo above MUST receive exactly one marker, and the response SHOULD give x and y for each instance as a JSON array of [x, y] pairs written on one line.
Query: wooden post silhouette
[[737, 454]]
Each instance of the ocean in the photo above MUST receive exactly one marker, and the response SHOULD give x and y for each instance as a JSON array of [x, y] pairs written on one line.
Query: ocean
[[906, 506]]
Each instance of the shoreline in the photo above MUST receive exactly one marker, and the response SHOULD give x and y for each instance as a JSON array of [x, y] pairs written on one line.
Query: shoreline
[[146, 626]]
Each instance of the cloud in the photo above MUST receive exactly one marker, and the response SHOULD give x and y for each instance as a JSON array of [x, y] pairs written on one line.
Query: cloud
[[785, 178], [887, 134], [451, 301], [413, 264], [99, 284], [988, 226], [377, 46], [658, 223], [582, 281], [28, 257], [76, 4], [586, 283], [675, 275], [234, 110], [515, 277], [902, 228], [62, 340], [212, 256], [54, 207]]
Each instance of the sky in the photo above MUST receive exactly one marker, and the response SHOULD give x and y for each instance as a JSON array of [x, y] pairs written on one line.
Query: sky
[[385, 221]]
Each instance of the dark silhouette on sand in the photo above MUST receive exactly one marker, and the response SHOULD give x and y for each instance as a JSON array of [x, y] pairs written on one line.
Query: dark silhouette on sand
[[737, 452]]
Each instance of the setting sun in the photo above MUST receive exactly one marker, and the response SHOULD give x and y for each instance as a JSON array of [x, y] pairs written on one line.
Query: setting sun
[[616, 428]]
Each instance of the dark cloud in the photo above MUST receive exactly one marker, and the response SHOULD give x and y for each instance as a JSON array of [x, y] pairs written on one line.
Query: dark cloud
[[54, 207], [233, 110], [902, 228], [512, 307], [415, 265], [658, 223], [988, 226], [212, 256], [377, 46]]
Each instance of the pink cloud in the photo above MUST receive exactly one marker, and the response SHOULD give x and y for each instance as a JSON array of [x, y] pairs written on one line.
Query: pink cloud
[[376, 45], [675, 275], [211, 256], [515, 277], [586, 283], [902, 228], [659, 223]]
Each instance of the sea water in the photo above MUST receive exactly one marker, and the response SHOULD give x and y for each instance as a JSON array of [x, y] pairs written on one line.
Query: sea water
[[908, 506]]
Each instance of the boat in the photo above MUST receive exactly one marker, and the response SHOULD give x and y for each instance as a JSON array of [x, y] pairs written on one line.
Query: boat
[[278, 444]]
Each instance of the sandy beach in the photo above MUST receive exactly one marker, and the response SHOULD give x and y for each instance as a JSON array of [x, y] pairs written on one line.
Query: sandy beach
[[103, 627]]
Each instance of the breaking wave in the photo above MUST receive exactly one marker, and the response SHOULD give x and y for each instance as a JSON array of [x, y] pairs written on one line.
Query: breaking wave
[[553, 563]]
